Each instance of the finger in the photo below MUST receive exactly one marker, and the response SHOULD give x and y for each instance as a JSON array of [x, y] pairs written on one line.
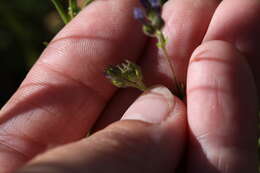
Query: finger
[[65, 90], [146, 141], [184, 30], [222, 110], [237, 22]]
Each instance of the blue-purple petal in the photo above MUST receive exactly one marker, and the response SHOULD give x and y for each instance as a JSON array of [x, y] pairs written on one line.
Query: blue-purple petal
[[155, 3], [139, 14]]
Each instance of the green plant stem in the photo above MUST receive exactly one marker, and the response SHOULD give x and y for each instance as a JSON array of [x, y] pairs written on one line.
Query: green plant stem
[[162, 44], [64, 16], [73, 9], [87, 2], [142, 87]]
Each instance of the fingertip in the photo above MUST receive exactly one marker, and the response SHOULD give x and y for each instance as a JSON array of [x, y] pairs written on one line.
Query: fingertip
[[166, 112], [153, 106], [156, 105]]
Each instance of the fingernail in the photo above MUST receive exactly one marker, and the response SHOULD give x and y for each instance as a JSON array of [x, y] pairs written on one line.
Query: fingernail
[[153, 106]]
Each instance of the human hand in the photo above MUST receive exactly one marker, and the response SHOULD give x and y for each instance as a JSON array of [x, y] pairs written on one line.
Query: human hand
[[65, 92]]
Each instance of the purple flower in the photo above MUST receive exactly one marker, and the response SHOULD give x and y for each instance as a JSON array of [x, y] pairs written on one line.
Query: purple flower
[[139, 14], [155, 3], [151, 4], [150, 16]]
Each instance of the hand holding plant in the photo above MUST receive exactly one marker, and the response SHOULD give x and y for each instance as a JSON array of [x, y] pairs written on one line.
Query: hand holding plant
[[66, 92]]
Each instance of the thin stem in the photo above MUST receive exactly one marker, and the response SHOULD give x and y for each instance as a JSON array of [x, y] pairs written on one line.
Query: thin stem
[[142, 86], [87, 2], [139, 85], [162, 44], [61, 11], [73, 9]]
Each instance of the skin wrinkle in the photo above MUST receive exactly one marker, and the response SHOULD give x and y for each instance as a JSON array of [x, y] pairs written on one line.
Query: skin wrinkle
[[86, 38], [20, 136], [14, 150], [213, 59], [27, 117], [94, 65], [231, 71], [5, 141], [36, 105], [204, 137], [52, 86], [204, 88], [10, 112], [62, 45], [4, 132], [100, 97], [97, 26], [198, 55]]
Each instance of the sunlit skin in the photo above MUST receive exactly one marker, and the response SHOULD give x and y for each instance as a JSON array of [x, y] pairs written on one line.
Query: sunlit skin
[[215, 47]]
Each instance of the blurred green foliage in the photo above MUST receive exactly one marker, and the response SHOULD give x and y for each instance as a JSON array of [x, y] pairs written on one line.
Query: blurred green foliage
[[24, 26]]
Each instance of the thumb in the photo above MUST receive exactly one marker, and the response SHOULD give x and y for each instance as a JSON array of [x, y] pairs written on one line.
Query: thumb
[[149, 138]]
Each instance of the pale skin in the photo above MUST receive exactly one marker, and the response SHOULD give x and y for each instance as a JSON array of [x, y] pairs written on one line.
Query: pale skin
[[215, 45]]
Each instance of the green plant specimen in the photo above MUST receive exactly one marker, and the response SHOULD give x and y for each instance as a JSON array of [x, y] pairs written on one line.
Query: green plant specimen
[[150, 16]]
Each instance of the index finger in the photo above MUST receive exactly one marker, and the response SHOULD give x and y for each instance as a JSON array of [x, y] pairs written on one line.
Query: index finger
[[65, 91]]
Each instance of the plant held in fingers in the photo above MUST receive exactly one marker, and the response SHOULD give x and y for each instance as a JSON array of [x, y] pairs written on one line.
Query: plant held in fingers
[[127, 74], [150, 17]]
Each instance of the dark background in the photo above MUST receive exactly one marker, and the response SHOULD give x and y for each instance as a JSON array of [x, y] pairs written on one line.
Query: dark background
[[24, 26]]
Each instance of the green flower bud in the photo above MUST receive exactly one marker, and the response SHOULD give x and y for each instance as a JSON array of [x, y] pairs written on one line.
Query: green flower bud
[[127, 74], [156, 20]]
